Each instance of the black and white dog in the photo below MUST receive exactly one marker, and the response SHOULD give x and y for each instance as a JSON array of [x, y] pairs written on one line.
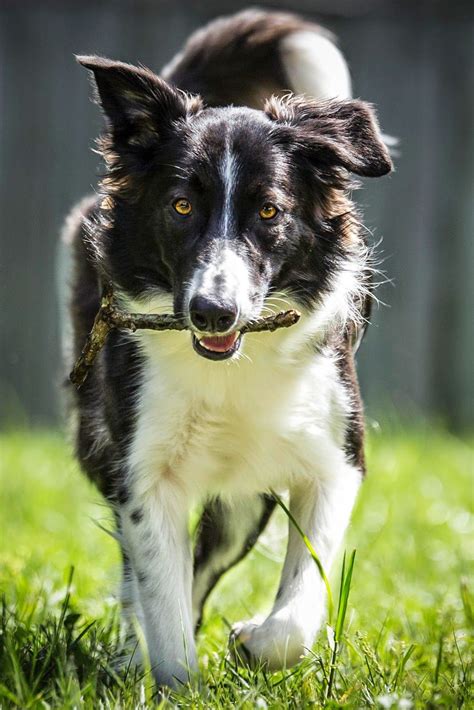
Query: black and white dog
[[225, 199]]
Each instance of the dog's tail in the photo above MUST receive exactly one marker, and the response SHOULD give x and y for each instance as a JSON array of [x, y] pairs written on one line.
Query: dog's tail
[[245, 58]]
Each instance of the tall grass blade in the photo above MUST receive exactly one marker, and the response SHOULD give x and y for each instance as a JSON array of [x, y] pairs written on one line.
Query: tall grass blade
[[439, 659], [402, 664], [467, 603], [55, 639], [344, 591], [346, 581]]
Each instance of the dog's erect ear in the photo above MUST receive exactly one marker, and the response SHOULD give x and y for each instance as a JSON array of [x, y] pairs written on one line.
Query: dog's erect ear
[[136, 102], [337, 133]]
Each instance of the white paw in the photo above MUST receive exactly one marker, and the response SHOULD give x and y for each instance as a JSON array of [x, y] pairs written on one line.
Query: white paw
[[277, 642]]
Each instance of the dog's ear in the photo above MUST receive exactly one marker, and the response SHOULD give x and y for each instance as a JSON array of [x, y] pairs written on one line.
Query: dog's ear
[[333, 133], [136, 102]]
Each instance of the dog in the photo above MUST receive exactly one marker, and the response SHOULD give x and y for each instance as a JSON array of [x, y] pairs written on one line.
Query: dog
[[226, 198]]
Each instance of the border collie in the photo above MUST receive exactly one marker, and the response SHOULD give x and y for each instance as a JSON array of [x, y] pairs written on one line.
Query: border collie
[[226, 198]]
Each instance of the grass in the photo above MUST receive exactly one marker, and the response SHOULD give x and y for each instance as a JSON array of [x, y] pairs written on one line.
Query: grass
[[406, 640]]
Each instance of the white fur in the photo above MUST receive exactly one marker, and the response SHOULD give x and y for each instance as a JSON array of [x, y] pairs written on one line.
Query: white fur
[[160, 553], [273, 417], [226, 275], [229, 175], [315, 66]]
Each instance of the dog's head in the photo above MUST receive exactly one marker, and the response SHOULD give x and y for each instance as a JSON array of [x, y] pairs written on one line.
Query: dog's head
[[219, 208]]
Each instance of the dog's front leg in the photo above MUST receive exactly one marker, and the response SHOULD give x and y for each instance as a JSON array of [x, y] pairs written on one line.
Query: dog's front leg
[[322, 508], [155, 537]]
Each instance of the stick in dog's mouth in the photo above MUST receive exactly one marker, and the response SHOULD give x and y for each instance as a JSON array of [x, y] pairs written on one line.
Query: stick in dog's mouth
[[219, 347]]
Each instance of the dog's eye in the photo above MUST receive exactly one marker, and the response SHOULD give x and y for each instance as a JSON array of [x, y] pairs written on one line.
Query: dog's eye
[[268, 211], [183, 206]]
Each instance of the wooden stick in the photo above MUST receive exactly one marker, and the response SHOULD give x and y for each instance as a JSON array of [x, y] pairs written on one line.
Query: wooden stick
[[110, 316]]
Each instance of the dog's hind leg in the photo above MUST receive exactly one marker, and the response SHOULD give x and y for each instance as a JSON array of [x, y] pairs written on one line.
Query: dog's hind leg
[[226, 533]]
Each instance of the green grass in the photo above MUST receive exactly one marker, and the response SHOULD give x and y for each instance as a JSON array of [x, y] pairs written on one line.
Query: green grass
[[408, 635]]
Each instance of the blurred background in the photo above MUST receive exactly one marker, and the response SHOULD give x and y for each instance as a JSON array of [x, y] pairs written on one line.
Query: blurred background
[[414, 60]]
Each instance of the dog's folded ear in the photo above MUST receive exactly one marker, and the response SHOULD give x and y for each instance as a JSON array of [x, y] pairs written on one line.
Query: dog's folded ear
[[136, 102], [333, 133]]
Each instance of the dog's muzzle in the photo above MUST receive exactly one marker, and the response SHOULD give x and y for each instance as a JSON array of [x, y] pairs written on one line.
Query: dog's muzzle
[[214, 337]]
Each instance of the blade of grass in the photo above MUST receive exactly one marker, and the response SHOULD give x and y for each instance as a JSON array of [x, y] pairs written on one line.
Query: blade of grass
[[346, 581], [439, 658], [467, 603], [59, 625], [401, 666], [82, 634], [344, 591], [8, 695], [146, 678]]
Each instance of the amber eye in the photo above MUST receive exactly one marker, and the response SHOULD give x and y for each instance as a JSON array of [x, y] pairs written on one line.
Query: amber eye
[[183, 206], [268, 211]]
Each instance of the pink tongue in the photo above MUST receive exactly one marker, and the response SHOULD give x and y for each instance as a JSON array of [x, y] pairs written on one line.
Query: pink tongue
[[219, 343]]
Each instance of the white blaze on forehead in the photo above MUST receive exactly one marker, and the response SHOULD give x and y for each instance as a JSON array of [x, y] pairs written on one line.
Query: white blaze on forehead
[[228, 172], [228, 268]]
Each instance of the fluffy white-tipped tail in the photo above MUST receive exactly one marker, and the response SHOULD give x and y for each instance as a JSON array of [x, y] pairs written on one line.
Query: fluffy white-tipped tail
[[315, 66], [244, 58]]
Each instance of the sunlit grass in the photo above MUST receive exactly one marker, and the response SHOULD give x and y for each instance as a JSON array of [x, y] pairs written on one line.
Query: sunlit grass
[[407, 638]]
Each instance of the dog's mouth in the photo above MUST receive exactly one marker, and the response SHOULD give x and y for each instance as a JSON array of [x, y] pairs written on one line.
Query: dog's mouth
[[217, 347]]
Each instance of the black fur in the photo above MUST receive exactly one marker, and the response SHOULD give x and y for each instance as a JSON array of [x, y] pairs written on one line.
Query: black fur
[[219, 61], [216, 533], [136, 516]]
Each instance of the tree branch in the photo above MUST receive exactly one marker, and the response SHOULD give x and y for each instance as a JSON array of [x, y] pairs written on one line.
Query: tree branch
[[110, 316]]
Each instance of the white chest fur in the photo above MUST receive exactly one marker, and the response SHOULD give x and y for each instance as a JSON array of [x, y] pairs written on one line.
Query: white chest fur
[[235, 428]]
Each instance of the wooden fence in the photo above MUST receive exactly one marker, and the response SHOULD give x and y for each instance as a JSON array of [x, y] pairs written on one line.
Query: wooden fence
[[414, 60]]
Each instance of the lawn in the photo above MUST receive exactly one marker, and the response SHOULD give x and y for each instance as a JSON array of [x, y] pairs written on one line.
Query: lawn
[[408, 635]]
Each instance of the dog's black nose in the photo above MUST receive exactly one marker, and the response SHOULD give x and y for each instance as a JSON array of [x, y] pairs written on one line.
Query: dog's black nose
[[211, 316]]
